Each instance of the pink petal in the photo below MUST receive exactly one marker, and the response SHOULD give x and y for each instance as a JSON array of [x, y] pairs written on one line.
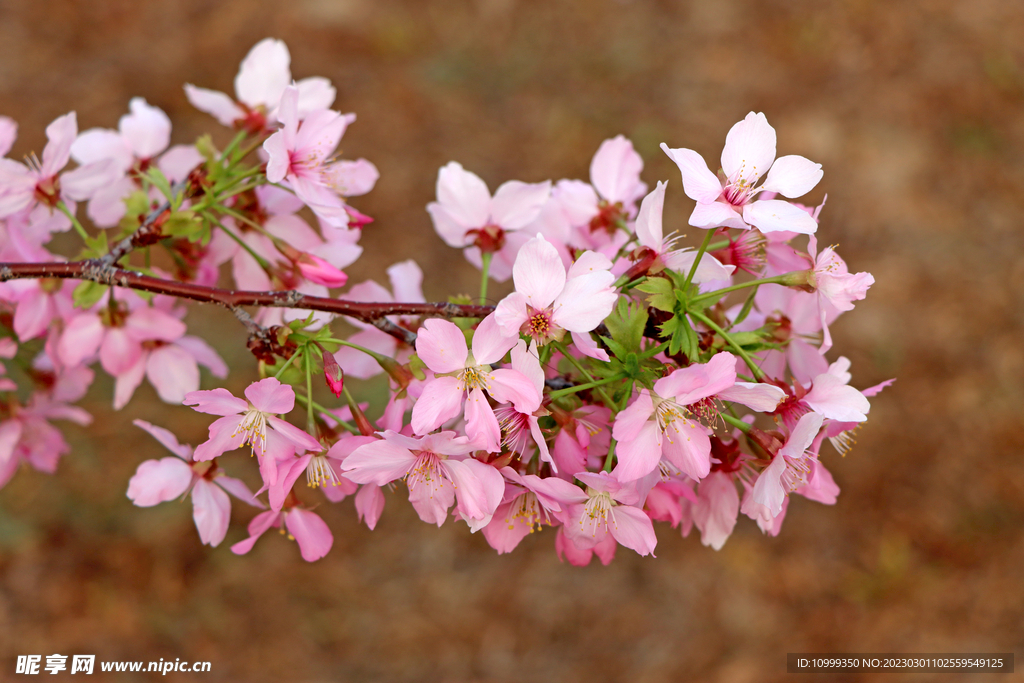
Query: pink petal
[[314, 93], [588, 347], [749, 149], [516, 204], [224, 436], [82, 337], [717, 508], [463, 195], [615, 170], [630, 421], [378, 463], [165, 437], [264, 74], [538, 273], [585, 302], [511, 386], [204, 354], [699, 183], [128, 381], [763, 398], [352, 178], [478, 487], [715, 215], [278, 157], [836, 400], [490, 344], [257, 527], [505, 530], [172, 372], [510, 313], [447, 227], [648, 222], [8, 134], [33, 314], [217, 104], [147, 129], [481, 424], [270, 396], [178, 161], [239, 489], [792, 176], [774, 214], [442, 346], [370, 504], [440, 401], [301, 439], [83, 182], [311, 533], [158, 481], [100, 144], [151, 323], [686, 445], [60, 135], [211, 509], [768, 489], [640, 455], [215, 402], [803, 434], [632, 529], [119, 351]]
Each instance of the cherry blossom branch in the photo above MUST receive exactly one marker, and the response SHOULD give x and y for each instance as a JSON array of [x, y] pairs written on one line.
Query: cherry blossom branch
[[96, 270]]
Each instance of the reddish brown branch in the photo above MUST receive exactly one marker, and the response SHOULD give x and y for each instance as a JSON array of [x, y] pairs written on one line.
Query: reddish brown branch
[[373, 313]]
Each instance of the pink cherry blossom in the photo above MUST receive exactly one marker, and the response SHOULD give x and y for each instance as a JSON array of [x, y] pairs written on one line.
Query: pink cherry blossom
[[837, 288], [749, 153], [662, 424], [549, 301], [529, 503], [300, 153], [24, 187], [608, 508], [459, 373], [789, 467], [252, 422], [305, 527], [437, 472], [160, 481], [264, 74], [650, 234], [466, 216]]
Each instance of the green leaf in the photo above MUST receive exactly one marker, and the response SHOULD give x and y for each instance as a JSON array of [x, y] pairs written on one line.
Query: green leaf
[[683, 337], [661, 291], [88, 294], [626, 324], [745, 311], [186, 225], [159, 180], [618, 349]]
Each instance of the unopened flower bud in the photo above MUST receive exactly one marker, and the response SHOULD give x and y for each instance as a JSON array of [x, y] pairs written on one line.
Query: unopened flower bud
[[333, 374]]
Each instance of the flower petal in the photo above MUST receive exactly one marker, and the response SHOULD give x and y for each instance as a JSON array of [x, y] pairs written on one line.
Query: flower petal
[[792, 176], [442, 346], [699, 183]]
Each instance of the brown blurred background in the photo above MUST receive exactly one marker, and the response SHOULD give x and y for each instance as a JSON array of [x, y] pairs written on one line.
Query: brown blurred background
[[915, 110]]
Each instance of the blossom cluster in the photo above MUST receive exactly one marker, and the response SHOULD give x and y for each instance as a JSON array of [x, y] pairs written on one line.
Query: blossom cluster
[[625, 380]]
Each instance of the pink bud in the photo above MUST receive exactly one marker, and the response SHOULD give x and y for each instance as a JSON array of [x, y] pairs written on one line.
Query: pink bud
[[333, 374], [356, 219], [317, 270]]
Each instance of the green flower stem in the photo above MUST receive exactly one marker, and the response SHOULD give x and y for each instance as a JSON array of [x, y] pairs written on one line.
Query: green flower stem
[[583, 387], [737, 423], [485, 258], [715, 246], [306, 402], [237, 140], [610, 457], [310, 422], [696, 260], [264, 264], [373, 354], [287, 363], [238, 216], [758, 373], [776, 280], [607, 400], [74, 221]]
